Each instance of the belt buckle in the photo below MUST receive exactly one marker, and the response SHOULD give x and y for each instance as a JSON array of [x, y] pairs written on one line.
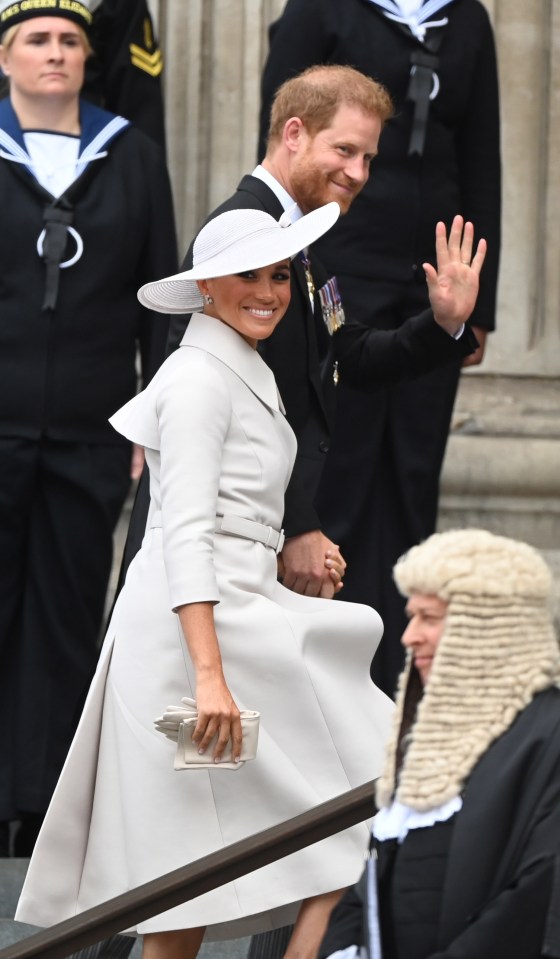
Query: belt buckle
[[280, 543]]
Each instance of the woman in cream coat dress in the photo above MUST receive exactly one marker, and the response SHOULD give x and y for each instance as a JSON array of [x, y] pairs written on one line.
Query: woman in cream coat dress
[[217, 445]]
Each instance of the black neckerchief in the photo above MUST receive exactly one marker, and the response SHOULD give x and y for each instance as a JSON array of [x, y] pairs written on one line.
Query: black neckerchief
[[58, 215], [424, 63]]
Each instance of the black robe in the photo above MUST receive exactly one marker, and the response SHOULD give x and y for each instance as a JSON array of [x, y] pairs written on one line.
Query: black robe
[[501, 897]]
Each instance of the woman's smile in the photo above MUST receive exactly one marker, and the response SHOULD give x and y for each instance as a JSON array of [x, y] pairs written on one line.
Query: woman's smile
[[252, 302]]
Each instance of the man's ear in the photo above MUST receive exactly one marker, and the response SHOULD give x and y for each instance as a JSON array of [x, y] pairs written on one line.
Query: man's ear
[[293, 133]]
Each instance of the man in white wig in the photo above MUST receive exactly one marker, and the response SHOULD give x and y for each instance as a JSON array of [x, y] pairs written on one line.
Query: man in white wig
[[465, 848]]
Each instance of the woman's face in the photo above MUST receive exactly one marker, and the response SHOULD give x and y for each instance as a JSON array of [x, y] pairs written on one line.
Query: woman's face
[[252, 303], [426, 622], [46, 58]]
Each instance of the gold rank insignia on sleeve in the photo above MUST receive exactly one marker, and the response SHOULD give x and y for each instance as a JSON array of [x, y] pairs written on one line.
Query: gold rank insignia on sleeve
[[141, 57]]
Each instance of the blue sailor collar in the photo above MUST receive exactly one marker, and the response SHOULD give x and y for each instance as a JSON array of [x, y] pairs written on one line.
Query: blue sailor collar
[[99, 128]]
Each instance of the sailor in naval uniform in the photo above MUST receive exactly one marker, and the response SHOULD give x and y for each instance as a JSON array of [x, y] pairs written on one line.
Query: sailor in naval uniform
[[86, 217]]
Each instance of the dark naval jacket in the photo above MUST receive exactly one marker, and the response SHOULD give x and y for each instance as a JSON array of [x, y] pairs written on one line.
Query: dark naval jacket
[[69, 331]]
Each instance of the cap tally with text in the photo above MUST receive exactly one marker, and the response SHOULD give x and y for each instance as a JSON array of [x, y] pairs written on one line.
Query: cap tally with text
[[16, 11]]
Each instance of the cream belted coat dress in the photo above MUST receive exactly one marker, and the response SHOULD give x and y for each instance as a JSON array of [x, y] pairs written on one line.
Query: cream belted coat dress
[[217, 443]]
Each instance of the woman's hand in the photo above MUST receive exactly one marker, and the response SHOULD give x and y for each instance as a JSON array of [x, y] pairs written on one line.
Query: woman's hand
[[217, 714], [336, 565], [217, 711]]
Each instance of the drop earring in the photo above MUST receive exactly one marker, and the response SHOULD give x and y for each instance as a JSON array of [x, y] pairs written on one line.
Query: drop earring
[[208, 299]]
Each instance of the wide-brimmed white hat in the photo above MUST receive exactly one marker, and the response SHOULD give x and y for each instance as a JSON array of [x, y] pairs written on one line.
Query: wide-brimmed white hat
[[234, 242]]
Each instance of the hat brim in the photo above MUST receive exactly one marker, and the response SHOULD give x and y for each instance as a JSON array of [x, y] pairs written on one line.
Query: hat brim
[[180, 294]]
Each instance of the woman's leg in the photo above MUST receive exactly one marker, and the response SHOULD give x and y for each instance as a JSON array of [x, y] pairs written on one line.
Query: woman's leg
[[179, 944], [311, 925]]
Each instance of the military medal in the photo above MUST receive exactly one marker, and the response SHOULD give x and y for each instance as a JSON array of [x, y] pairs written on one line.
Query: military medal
[[331, 305], [308, 278]]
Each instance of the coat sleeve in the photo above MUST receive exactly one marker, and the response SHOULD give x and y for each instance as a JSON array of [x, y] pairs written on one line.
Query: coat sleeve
[[369, 359], [124, 75], [194, 413]]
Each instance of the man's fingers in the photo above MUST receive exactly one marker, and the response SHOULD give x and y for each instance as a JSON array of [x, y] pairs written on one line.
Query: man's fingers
[[479, 256], [442, 249], [467, 244], [430, 273], [454, 244]]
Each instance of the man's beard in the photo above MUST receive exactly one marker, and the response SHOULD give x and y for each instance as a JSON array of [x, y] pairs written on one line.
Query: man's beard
[[312, 188]]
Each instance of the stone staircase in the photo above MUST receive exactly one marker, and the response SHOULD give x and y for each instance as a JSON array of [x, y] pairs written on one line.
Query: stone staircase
[[12, 874]]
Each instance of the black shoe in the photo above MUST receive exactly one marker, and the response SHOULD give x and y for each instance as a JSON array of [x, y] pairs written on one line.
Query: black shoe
[[26, 834], [4, 840]]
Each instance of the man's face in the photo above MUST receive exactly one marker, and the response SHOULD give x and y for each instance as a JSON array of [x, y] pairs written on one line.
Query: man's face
[[333, 164], [426, 622]]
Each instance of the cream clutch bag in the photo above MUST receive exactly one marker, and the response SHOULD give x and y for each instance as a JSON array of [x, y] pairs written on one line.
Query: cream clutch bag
[[178, 723]]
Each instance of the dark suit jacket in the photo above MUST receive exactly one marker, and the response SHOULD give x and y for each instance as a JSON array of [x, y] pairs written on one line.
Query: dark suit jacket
[[302, 355]]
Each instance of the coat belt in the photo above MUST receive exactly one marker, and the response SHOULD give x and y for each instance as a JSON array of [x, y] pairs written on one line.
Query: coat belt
[[245, 528]]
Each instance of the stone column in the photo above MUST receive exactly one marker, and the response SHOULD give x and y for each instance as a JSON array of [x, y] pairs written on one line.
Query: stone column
[[214, 52], [502, 468]]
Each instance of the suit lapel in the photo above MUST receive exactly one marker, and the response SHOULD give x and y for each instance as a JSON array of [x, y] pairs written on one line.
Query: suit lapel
[[261, 192]]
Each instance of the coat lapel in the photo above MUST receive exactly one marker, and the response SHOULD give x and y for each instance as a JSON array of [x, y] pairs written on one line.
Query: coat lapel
[[218, 339]]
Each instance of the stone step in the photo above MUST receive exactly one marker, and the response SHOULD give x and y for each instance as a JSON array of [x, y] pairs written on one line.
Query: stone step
[[12, 874]]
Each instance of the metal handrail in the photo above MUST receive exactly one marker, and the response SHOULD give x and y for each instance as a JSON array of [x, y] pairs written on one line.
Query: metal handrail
[[188, 882]]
